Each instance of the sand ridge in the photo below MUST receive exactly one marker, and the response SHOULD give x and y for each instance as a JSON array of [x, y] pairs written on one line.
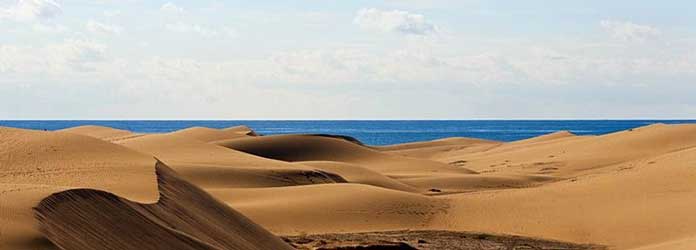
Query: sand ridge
[[34, 164], [185, 217], [101, 132], [295, 148], [212, 166]]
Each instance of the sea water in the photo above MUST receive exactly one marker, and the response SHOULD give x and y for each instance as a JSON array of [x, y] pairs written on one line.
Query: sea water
[[380, 132]]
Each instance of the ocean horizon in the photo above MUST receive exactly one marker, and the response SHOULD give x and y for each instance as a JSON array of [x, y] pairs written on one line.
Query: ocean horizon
[[371, 132]]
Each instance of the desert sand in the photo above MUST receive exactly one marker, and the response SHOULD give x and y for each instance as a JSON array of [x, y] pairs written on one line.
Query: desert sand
[[94, 187]]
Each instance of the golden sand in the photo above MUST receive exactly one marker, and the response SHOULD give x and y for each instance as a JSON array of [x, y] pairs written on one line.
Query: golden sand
[[94, 187]]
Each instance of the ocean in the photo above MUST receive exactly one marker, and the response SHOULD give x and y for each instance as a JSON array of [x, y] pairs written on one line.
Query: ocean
[[381, 132]]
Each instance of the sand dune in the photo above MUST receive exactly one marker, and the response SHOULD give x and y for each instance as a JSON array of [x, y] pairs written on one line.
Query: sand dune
[[545, 138], [574, 156], [640, 192], [295, 148], [444, 184], [436, 148], [356, 174], [67, 160], [34, 164], [212, 166], [101, 132], [453, 141], [211, 134], [185, 217], [627, 190], [332, 208]]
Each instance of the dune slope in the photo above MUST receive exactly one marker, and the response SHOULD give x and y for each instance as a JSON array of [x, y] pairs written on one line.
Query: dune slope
[[211, 134], [185, 217], [100, 132], [435, 148], [322, 208], [294, 148], [357, 174], [572, 156], [640, 193], [35, 164], [212, 166], [632, 189]]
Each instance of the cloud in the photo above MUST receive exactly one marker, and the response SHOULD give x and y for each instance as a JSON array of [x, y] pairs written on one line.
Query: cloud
[[101, 28], [206, 31], [394, 21], [111, 13], [372, 76], [49, 28], [628, 31], [60, 59], [31, 10], [171, 8]]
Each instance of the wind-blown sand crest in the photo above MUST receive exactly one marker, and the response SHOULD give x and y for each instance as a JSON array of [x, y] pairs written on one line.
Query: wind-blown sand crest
[[185, 217]]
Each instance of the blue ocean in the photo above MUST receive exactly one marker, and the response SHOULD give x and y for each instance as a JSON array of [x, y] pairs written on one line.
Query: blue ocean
[[373, 132]]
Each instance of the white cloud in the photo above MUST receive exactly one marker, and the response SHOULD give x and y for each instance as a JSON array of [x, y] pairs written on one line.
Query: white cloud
[[101, 28], [49, 28], [59, 59], [30, 10], [206, 31], [112, 13], [171, 8], [331, 70], [394, 21], [628, 31]]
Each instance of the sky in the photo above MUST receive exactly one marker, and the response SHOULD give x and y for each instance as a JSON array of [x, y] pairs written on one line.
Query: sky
[[408, 59]]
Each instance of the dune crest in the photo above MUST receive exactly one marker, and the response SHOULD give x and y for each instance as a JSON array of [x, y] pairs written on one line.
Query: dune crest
[[242, 130], [357, 174], [436, 148], [185, 217], [212, 166], [547, 137], [452, 141], [628, 189], [574, 156], [101, 132], [35, 164], [210, 134], [296, 148]]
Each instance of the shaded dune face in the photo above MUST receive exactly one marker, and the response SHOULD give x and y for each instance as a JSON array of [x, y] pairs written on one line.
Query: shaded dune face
[[185, 217], [298, 148], [211, 166], [342, 137]]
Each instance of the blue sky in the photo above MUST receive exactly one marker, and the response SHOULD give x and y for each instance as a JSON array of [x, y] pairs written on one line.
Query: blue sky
[[412, 59]]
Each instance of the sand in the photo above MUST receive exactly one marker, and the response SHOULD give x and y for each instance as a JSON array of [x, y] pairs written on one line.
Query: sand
[[94, 187]]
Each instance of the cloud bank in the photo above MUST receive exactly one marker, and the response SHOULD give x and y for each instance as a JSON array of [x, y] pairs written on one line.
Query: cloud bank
[[321, 64]]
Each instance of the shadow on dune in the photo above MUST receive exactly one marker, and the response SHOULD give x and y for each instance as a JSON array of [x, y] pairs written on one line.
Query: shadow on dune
[[342, 137], [185, 217]]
